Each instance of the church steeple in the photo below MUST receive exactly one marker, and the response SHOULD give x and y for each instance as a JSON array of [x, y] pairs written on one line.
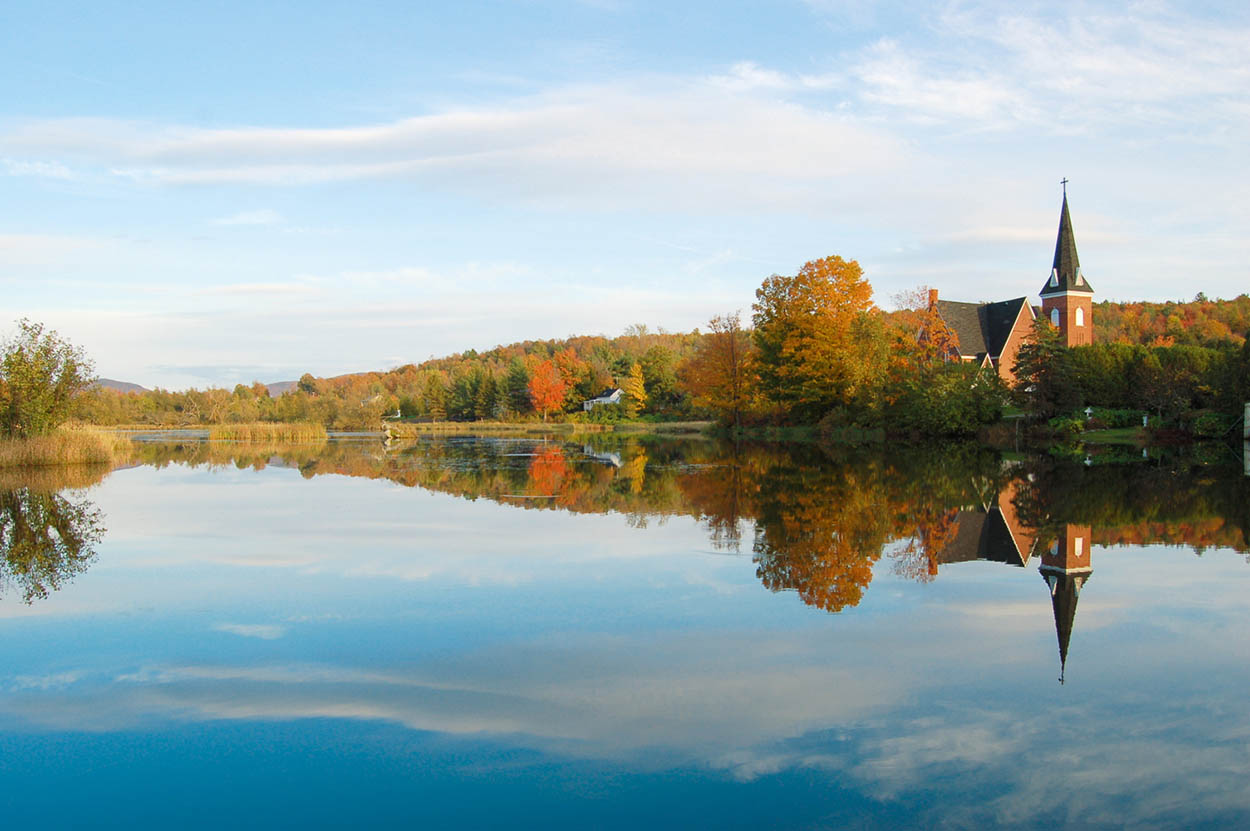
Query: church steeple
[[1065, 270], [1067, 297]]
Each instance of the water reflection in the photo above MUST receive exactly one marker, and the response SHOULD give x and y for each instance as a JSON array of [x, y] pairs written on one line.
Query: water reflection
[[335, 607], [820, 518], [46, 538]]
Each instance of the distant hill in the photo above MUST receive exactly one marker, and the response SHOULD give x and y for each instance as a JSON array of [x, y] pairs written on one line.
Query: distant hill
[[279, 387], [120, 386]]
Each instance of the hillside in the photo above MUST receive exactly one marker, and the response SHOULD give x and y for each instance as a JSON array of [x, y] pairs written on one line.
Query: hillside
[[1198, 322]]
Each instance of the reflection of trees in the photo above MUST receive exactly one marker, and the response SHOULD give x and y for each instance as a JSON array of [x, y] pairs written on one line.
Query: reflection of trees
[[46, 539], [821, 517], [820, 535], [1193, 505]]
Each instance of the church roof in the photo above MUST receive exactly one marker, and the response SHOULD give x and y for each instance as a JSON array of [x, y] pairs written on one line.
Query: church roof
[[1066, 269], [981, 535], [982, 328]]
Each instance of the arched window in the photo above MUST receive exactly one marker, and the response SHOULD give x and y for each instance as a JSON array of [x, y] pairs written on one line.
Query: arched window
[[1054, 317], [1080, 316]]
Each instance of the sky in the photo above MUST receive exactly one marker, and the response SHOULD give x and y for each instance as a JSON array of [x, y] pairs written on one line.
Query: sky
[[210, 194]]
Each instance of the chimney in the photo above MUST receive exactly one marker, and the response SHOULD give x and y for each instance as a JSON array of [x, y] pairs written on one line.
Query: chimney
[[932, 297]]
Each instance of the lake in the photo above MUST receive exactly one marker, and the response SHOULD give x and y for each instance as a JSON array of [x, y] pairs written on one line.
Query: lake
[[613, 633]]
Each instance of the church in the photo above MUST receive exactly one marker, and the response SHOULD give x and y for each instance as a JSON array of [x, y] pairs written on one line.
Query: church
[[990, 334]]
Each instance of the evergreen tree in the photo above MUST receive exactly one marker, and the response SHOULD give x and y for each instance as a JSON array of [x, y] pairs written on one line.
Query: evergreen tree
[[1045, 375], [517, 388], [487, 397]]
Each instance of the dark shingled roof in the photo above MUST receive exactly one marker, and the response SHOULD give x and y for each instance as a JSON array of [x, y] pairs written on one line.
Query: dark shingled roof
[[981, 327], [981, 536], [1067, 266]]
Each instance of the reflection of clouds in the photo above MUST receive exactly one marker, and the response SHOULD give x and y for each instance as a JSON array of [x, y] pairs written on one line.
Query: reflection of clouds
[[608, 694], [45, 682], [263, 631], [1087, 765], [1133, 761], [355, 528]]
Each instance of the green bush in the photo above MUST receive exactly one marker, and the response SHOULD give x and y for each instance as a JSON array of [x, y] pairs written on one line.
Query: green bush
[[607, 414], [1067, 425]]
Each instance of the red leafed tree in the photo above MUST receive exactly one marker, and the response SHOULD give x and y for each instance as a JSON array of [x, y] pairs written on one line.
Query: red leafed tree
[[547, 388]]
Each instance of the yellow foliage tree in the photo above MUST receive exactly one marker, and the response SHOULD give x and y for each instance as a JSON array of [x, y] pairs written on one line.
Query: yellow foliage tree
[[819, 343], [635, 390]]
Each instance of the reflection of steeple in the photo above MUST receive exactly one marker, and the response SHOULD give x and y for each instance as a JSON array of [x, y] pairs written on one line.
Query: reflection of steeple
[[1066, 568], [1065, 589]]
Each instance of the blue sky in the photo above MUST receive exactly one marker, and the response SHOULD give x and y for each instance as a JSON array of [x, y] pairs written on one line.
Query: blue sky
[[214, 193]]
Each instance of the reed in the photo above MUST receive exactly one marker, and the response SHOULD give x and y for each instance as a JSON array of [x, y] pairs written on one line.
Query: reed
[[65, 446], [269, 431]]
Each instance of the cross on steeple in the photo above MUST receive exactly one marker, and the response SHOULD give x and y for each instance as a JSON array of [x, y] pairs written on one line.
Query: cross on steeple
[[1064, 182]]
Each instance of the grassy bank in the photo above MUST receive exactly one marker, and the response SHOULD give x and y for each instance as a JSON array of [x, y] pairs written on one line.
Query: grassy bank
[[411, 429], [268, 431], [65, 446]]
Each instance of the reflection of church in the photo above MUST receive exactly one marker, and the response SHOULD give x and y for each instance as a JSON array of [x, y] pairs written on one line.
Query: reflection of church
[[994, 532]]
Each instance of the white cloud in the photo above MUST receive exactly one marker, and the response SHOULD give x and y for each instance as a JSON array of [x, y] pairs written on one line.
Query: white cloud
[[604, 132]]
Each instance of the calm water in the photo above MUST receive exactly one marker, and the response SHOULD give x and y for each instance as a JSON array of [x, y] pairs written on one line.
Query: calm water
[[522, 633]]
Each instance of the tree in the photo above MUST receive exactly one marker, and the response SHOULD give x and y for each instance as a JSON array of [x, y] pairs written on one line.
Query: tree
[[635, 389], [1045, 377], [812, 334], [717, 374], [517, 387], [546, 388], [40, 374]]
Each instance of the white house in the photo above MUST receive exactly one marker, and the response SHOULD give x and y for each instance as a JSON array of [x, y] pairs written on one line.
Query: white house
[[608, 396]]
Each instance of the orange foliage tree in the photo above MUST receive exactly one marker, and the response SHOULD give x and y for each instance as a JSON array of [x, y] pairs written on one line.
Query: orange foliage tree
[[718, 375], [547, 388]]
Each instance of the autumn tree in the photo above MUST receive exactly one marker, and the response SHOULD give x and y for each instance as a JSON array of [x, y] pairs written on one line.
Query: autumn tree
[[40, 374], [922, 338], [717, 375], [815, 337], [546, 388], [635, 390]]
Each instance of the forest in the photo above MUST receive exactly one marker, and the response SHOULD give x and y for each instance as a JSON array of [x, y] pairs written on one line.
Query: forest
[[816, 349]]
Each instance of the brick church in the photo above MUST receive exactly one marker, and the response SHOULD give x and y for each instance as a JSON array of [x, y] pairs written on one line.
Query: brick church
[[991, 334]]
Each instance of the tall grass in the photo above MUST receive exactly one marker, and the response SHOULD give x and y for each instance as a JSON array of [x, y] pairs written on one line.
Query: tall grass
[[65, 446], [269, 431]]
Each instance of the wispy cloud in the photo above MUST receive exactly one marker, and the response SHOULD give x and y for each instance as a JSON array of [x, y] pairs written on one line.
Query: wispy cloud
[[46, 170], [263, 631]]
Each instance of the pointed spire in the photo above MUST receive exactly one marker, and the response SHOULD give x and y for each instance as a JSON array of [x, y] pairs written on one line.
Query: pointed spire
[[1066, 261], [1065, 272], [1065, 590]]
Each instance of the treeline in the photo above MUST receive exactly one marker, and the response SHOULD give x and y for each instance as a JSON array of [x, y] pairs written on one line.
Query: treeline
[[1166, 381], [1200, 322], [816, 350], [521, 381]]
